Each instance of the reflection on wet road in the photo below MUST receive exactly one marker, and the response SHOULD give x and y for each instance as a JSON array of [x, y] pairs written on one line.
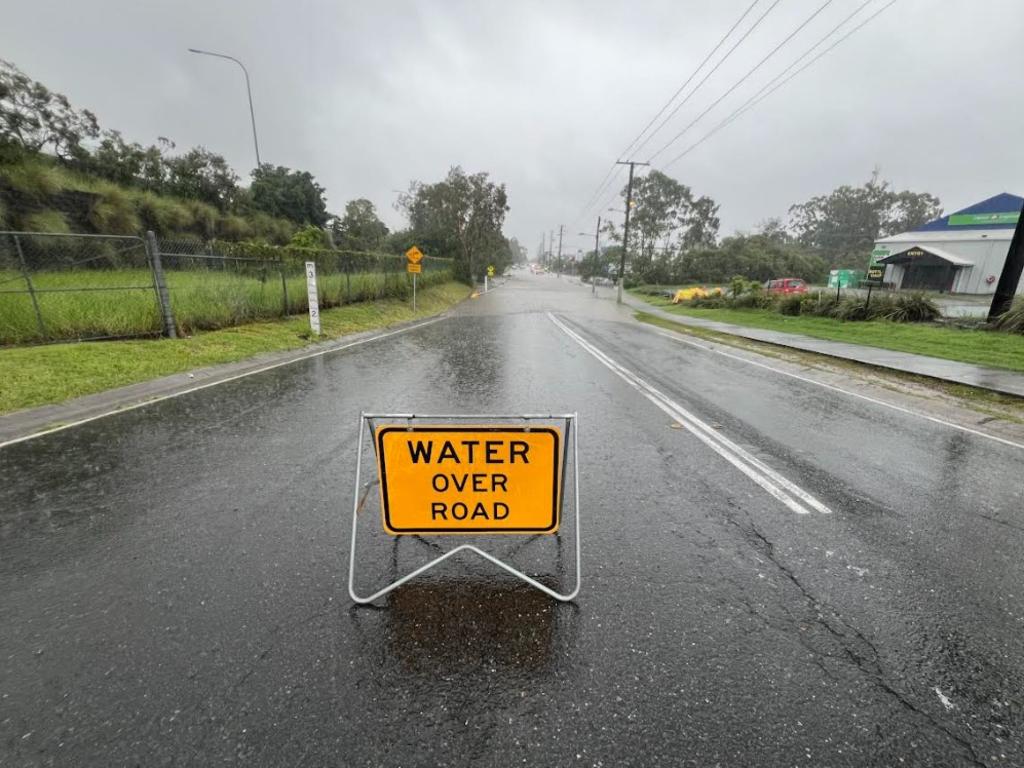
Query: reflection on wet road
[[172, 578]]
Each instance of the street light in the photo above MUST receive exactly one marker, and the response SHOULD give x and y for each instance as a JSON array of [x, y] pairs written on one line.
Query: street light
[[248, 90]]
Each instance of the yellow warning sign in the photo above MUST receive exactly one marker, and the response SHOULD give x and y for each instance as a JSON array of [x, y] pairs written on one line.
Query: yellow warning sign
[[413, 269], [490, 271], [440, 479], [414, 255]]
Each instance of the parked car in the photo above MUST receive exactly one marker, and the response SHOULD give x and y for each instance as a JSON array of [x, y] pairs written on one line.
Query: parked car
[[786, 285]]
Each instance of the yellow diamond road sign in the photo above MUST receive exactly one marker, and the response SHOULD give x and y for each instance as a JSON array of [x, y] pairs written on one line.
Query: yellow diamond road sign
[[441, 479], [490, 271], [414, 255]]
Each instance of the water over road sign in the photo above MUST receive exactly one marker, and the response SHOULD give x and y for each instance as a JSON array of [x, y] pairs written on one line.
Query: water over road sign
[[441, 479], [414, 255]]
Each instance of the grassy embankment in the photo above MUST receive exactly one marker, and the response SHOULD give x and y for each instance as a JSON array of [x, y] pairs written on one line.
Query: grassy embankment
[[34, 376], [980, 347]]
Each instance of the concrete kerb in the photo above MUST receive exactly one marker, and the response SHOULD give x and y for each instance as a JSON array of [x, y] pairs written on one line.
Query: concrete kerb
[[949, 371]]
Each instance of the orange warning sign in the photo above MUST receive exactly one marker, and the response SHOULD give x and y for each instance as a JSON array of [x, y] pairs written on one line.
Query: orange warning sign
[[441, 479]]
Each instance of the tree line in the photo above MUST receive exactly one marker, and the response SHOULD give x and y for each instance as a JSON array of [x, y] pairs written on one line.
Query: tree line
[[674, 234], [458, 217]]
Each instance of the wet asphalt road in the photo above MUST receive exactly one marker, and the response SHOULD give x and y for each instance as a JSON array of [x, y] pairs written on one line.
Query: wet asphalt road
[[173, 579]]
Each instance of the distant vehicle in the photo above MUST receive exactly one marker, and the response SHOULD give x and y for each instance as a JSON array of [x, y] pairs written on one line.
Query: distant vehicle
[[786, 285]]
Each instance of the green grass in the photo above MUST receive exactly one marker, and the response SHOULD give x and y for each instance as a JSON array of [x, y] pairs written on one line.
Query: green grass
[[201, 300], [990, 348], [984, 401], [35, 376]]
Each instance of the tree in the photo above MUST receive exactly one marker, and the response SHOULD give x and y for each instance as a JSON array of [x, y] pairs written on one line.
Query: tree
[[773, 229], [292, 195], [755, 257], [843, 225], [34, 118], [460, 216], [202, 175], [360, 229]]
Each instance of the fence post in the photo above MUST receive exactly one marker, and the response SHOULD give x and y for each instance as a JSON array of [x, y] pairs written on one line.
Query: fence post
[[284, 285], [348, 279], [163, 298], [31, 288]]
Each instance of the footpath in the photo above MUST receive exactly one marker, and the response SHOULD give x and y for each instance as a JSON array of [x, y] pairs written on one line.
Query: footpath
[[993, 379]]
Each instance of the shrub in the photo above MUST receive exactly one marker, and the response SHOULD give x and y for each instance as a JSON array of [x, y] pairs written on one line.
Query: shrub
[[791, 305], [912, 308], [714, 301], [1013, 319], [273, 230], [819, 304]]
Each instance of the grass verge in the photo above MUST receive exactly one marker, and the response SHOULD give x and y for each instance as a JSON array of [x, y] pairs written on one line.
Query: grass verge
[[984, 401], [990, 348], [35, 376]]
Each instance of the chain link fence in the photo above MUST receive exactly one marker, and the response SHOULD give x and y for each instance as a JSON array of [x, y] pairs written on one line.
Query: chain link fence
[[76, 287]]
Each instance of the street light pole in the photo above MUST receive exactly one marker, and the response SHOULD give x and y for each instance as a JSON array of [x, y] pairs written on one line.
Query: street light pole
[[248, 90]]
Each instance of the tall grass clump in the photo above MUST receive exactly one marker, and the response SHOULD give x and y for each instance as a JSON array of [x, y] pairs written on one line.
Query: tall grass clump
[[164, 215], [113, 212], [912, 308], [46, 221], [1013, 319]]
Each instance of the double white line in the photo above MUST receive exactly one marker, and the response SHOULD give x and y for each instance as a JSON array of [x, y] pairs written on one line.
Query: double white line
[[783, 489]]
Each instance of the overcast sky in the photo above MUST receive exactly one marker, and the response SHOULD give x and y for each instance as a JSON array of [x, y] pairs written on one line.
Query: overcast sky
[[545, 95]]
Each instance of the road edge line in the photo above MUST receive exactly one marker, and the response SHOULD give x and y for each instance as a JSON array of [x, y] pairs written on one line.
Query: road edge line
[[207, 385], [674, 336]]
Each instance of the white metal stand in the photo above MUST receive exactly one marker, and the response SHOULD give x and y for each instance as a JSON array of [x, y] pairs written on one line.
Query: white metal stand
[[572, 426]]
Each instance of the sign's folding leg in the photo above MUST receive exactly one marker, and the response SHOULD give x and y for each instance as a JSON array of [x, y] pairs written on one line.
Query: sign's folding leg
[[572, 419]]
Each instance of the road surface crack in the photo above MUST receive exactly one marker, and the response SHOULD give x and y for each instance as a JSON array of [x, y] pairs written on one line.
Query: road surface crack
[[858, 649]]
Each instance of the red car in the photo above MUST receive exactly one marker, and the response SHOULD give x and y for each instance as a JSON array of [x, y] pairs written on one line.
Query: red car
[[786, 285]]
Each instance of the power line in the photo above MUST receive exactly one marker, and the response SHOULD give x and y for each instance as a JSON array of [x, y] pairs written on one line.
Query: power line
[[709, 74], [614, 166], [693, 74], [743, 79], [763, 94]]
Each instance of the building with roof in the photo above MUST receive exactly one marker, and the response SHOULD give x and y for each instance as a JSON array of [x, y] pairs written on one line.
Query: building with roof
[[962, 252]]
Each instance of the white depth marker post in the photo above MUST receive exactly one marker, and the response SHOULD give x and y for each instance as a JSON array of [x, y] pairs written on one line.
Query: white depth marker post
[[414, 293], [314, 302], [485, 283]]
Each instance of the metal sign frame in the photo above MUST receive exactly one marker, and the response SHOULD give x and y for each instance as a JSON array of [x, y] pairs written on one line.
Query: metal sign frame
[[571, 427]]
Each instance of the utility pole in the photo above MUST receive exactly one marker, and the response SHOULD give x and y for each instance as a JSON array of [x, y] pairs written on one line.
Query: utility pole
[[1009, 278], [597, 254], [558, 264], [551, 247], [625, 229]]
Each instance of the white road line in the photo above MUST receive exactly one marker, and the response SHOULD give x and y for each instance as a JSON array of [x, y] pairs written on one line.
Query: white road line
[[675, 337], [264, 369], [771, 481]]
